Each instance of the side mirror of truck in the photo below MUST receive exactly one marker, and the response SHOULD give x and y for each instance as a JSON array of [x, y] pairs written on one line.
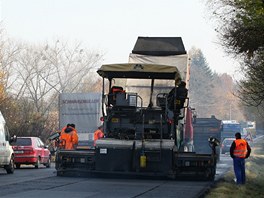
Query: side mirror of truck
[[54, 136], [194, 119], [12, 139], [214, 141]]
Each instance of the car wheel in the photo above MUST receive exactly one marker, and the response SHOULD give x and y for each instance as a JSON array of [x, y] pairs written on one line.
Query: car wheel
[[18, 165], [48, 163], [212, 174], [60, 173], [37, 163], [11, 167]]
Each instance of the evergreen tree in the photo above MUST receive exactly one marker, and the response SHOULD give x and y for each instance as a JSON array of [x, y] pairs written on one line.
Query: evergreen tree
[[211, 93], [200, 90]]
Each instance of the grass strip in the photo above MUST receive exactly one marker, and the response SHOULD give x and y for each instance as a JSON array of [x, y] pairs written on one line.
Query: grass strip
[[254, 187]]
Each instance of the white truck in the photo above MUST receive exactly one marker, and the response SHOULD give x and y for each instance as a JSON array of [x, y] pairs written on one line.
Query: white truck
[[83, 110], [6, 151]]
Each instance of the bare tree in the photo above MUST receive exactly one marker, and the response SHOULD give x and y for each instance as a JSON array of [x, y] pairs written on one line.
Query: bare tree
[[8, 52], [70, 65], [36, 75]]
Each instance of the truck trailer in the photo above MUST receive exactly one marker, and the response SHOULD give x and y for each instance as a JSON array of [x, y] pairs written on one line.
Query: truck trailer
[[84, 110], [144, 109], [204, 128]]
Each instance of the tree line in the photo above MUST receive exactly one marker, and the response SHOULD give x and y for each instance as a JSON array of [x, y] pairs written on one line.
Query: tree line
[[211, 93], [32, 77], [240, 27]]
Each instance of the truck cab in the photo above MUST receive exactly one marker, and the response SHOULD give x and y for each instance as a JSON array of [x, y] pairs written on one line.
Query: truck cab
[[6, 151]]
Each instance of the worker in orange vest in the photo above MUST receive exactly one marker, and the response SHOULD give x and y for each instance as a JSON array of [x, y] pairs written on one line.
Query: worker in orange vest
[[69, 137], [239, 151], [98, 134]]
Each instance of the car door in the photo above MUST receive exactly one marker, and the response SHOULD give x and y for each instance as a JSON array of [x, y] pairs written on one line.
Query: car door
[[46, 152], [5, 149], [8, 147], [2, 145], [36, 146], [41, 148]]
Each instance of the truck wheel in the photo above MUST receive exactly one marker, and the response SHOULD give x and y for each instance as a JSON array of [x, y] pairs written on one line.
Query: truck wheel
[[210, 174], [37, 163], [212, 177], [59, 173], [11, 167], [18, 166]]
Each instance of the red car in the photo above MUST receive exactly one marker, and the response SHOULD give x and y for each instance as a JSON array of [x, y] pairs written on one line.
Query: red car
[[31, 150]]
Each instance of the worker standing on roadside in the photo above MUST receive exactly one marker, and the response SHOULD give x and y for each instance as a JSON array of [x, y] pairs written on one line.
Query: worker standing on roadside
[[239, 151], [69, 137], [98, 134]]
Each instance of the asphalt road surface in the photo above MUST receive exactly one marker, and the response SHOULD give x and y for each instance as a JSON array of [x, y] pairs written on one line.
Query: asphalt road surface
[[43, 182]]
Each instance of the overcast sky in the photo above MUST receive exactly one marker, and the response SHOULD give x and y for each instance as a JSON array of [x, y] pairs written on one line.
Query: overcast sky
[[112, 26]]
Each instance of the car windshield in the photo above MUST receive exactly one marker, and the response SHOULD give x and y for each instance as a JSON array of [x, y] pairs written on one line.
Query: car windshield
[[142, 88], [23, 142]]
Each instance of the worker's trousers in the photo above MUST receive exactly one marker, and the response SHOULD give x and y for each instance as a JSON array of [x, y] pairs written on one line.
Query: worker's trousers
[[239, 169]]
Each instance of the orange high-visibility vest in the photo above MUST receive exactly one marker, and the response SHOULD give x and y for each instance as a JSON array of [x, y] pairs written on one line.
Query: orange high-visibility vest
[[241, 148], [69, 140]]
